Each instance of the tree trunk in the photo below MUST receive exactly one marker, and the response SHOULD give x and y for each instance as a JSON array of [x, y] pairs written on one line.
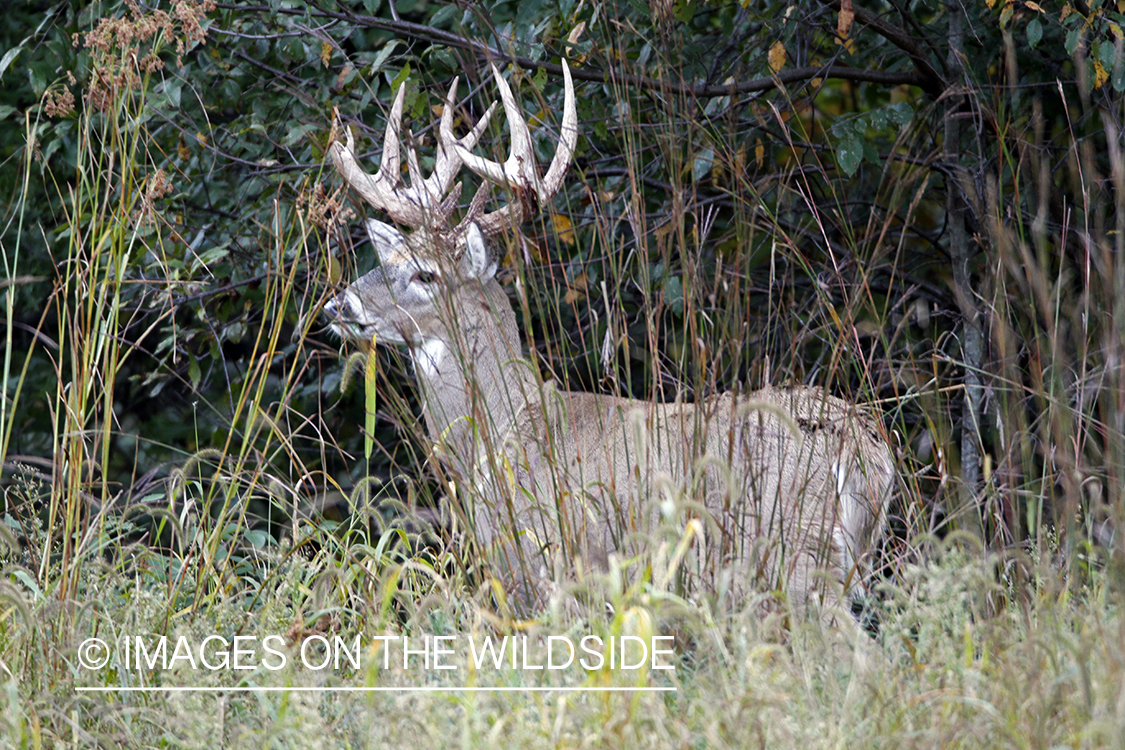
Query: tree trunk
[[966, 514]]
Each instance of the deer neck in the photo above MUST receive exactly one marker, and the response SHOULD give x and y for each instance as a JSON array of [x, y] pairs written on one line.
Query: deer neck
[[474, 379]]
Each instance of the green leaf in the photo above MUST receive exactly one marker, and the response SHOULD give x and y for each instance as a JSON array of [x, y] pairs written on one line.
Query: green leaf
[[257, 538], [297, 132], [901, 114], [38, 83], [703, 163], [683, 10], [674, 294], [1072, 38], [539, 80], [193, 370], [381, 58], [1108, 54], [849, 155], [25, 578], [444, 16], [8, 58], [1034, 32], [172, 89], [851, 128], [51, 147], [871, 154], [400, 78]]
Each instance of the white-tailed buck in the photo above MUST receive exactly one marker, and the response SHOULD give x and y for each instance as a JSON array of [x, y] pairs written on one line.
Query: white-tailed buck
[[775, 485]]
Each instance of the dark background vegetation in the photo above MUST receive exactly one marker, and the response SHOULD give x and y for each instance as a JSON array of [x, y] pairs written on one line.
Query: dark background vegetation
[[913, 204]]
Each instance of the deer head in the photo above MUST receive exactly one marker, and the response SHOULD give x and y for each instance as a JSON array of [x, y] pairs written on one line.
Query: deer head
[[400, 300]]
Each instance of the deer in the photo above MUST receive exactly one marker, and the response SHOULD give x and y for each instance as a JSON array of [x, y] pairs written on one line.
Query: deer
[[784, 487]]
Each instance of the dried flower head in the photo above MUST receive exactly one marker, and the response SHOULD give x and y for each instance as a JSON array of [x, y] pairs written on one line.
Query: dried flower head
[[324, 209], [128, 47], [59, 99]]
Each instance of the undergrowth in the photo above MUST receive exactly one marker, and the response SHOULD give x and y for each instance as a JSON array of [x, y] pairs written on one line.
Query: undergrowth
[[1007, 637]]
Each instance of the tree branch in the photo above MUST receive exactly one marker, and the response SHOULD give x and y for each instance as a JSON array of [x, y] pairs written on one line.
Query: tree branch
[[930, 80], [667, 86]]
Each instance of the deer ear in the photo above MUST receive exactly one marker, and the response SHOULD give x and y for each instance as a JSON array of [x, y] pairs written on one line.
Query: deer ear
[[481, 263], [384, 237]]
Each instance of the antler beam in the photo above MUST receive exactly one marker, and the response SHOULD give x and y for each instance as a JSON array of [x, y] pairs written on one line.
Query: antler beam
[[425, 201], [429, 202]]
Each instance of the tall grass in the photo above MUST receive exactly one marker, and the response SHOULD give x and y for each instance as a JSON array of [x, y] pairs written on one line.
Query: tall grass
[[1011, 640]]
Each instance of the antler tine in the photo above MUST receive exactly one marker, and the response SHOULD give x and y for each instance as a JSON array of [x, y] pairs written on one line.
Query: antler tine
[[448, 141], [519, 172], [447, 163], [431, 201], [377, 190], [519, 169], [568, 139], [424, 202]]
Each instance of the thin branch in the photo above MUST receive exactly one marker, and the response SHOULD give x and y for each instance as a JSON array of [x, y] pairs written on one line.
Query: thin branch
[[931, 81], [794, 75]]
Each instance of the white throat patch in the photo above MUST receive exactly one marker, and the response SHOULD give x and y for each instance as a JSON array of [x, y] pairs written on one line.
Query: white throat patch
[[428, 358]]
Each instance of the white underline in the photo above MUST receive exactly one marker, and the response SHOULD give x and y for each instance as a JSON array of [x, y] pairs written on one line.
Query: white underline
[[462, 689]]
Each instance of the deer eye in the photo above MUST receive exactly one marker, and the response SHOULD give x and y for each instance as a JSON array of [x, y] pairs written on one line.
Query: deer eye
[[425, 277]]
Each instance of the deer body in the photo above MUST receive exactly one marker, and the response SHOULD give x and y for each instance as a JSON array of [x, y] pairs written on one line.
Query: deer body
[[785, 482]]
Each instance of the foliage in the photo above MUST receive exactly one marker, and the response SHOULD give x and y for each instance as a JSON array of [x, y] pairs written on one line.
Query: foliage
[[943, 675], [834, 192]]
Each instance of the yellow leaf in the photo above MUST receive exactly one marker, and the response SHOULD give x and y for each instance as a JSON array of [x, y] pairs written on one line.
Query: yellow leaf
[[371, 401], [325, 53], [572, 39], [759, 154], [844, 19], [576, 290], [564, 230], [1066, 11], [344, 73], [1033, 6], [201, 138], [1100, 74], [777, 56]]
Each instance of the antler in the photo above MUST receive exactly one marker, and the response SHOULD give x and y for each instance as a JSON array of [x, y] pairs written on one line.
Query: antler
[[429, 202], [519, 173], [424, 202]]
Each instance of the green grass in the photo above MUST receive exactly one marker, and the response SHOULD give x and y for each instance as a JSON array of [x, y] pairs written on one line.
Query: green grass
[[958, 663], [1009, 638]]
